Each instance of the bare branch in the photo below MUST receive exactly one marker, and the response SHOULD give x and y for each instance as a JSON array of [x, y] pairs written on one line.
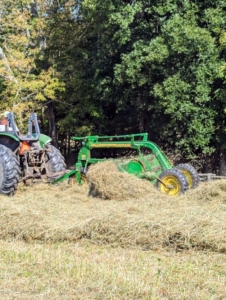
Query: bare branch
[[7, 66]]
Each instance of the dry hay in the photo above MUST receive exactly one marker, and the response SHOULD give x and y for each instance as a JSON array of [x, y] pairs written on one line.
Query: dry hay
[[154, 221], [107, 182]]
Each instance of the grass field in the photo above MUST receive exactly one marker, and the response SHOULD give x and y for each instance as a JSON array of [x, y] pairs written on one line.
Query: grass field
[[84, 271], [58, 243]]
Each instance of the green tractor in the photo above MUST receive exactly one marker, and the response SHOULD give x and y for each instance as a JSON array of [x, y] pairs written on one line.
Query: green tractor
[[145, 160], [27, 157]]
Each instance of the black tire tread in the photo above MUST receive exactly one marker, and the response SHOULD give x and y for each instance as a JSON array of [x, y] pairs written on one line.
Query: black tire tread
[[55, 161], [11, 171], [194, 174]]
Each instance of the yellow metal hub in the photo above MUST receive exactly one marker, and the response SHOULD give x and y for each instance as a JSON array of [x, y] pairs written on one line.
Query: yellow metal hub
[[172, 185], [84, 180]]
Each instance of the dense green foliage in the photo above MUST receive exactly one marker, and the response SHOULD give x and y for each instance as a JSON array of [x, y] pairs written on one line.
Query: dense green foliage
[[115, 67]]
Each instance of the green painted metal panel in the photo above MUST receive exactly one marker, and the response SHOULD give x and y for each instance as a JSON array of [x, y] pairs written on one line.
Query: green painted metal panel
[[65, 176], [161, 157], [134, 167], [10, 135], [44, 139]]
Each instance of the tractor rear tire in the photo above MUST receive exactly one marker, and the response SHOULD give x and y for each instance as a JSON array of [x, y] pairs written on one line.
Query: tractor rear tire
[[9, 171], [55, 161], [190, 173], [175, 182]]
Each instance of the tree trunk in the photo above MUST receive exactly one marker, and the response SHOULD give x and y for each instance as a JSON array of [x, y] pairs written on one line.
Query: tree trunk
[[223, 163], [68, 143], [142, 122], [142, 112], [42, 119], [52, 123]]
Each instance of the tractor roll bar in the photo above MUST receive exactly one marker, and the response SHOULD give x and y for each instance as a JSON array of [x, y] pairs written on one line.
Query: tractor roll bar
[[32, 123]]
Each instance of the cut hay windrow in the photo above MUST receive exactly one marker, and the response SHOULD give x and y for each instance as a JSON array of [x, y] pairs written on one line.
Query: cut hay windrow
[[150, 220], [107, 182]]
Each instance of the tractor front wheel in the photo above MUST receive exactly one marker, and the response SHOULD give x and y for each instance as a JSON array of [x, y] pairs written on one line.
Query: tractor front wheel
[[9, 171], [172, 182], [190, 173]]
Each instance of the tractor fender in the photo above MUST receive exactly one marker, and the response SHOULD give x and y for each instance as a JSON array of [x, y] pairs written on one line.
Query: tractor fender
[[10, 141], [44, 140], [10, 135]]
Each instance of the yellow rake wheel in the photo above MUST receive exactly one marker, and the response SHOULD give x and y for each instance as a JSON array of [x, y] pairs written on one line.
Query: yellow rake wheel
[[72, 180], [190, 173], [172, 182]]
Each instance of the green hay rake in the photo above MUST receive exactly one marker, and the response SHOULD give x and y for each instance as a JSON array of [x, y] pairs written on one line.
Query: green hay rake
[[149, 162]]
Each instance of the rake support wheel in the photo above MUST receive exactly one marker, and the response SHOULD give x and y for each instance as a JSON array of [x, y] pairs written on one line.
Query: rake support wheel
[[190, 173], [72, 180], [172, 182]]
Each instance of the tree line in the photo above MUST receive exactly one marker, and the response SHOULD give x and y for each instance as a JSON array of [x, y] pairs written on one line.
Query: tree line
[[119, 67]]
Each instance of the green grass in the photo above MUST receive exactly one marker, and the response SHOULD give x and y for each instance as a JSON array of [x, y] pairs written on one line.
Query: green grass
[[84, 271]]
